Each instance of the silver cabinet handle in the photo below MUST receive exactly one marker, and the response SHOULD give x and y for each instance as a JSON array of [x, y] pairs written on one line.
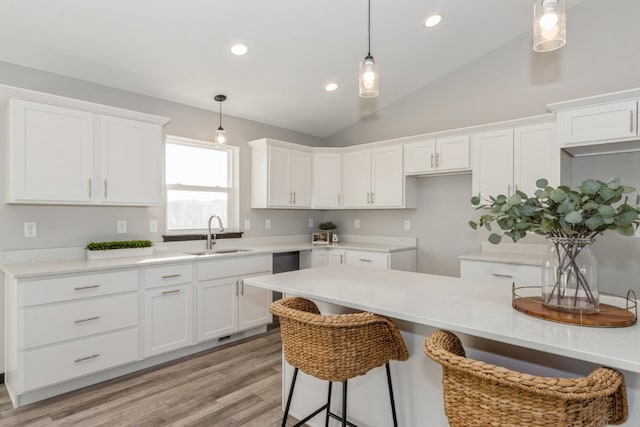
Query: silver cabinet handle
[[368, 197], [338, 198], [90, 187], [373, 198], [88, 319], [105, 189], [294, 197], [81, 288], [175, 291], [432, 156], [508, 276], [171, 276], [437, 160], [631, 121], [364, 260], [93, 356], [341, 258], [241, 287]]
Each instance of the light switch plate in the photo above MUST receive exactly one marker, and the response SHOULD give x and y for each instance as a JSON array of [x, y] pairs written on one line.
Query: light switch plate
[[356, 223], [407, 225], [122, 226], [30, 229], [267, 224], [247, 224], [310, 222], [153, 226]]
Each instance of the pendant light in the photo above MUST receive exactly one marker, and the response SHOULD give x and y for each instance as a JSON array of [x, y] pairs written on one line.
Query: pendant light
[[221, 138], [368, 85], [549, 25]]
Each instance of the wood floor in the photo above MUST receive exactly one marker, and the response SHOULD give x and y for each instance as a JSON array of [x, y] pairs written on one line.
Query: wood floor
[[233, 386]]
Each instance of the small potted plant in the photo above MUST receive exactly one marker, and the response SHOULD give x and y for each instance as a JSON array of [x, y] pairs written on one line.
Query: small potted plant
[[570, 220], [117, 249]]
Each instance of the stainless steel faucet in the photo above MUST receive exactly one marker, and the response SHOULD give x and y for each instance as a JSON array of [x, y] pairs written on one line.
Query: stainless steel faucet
[[210, 241]]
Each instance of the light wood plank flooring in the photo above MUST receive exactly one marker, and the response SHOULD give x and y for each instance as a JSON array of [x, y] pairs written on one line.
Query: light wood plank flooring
[[233, 386]]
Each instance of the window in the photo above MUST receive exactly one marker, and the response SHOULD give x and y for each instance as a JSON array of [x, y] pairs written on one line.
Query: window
[[200, 178]]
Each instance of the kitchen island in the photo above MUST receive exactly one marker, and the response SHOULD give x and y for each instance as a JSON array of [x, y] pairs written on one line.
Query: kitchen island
[[479, 312]]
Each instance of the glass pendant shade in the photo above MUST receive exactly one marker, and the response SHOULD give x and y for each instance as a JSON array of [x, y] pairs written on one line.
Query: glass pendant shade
[[549, 25], [221, 137], [369, 77]]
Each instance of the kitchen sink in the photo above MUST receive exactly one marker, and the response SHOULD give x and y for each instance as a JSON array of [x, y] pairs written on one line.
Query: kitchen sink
[[217, 252]]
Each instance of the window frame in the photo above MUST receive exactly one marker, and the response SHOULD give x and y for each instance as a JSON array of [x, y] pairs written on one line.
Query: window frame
[[233, 178]]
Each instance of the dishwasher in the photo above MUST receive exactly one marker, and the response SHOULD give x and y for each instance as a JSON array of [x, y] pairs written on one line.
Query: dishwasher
[[283, 262]]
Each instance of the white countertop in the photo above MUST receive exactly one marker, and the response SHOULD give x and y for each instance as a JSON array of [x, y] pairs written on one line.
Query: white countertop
[[460, 305]]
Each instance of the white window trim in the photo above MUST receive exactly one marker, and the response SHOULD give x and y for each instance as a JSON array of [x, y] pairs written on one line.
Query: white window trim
[[234, 178]]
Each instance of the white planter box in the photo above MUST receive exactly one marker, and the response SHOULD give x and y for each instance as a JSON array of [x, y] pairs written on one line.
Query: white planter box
[[118, 253]]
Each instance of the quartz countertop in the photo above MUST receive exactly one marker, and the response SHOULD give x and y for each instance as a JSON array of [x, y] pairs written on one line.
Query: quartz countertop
[[460, 305]]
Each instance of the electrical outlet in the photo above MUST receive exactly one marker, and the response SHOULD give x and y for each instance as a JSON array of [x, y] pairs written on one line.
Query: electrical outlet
[[407, 225], [247, 224], [30, 229], [310, 222], [153, 226], [122, 226], [267, 224], [356, 223]]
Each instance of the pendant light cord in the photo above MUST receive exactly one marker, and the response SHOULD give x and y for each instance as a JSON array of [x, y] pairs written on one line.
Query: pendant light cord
[[220, 123], [369, 29]]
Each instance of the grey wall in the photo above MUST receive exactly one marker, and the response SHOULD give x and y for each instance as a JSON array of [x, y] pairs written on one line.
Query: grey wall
[[64, 226], [509, 82]]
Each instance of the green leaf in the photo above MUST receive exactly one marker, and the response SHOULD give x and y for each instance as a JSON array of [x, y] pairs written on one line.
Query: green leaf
[[627, 218], [495, 238], [565, 208], [542, 183], [558, 195], [473, 225], [516, 199], [626, 189], [475, 200], [614, 183], [528, 211], [606, 211], [590, 186], [573, 217], [626, 230], [594, 222], [606, 193]]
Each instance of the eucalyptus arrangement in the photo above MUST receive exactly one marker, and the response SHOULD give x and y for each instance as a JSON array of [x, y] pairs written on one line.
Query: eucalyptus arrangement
[[570, 219], [327, 225]]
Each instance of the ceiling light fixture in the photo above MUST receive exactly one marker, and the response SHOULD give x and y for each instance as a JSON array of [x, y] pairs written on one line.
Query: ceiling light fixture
[[331, 87], [239, 49], [433, 20], [221, 138], [549, 25], [368, 85]]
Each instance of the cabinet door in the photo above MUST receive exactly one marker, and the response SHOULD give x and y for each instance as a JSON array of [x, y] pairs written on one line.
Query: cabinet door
[[452, 153], [337, 256], [131, 159], [387, 179], [300, 163], [279, 186], [420, 157], [535, 155], [320, 257], [253, 306], [356, 173], [601, 122], [51, 153], [168, 319], [493, 169], [327, 180], [217, 308]]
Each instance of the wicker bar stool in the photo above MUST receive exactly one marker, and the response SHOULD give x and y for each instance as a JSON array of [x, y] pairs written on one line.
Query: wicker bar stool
[[480, 394], [335, 348]]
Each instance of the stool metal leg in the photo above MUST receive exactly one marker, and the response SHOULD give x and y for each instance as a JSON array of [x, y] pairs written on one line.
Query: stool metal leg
[[393, 404], [286, 409], [344, 404], [326, 422]]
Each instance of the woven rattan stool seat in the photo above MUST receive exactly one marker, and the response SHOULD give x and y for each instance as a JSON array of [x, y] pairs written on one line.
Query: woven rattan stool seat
[[480, 394], [336, 347]]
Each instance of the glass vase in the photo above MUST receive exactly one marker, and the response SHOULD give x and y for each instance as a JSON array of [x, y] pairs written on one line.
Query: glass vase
[[570, 275]]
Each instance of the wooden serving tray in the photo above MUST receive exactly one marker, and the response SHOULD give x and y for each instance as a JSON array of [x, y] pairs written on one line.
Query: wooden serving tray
[[609, 316]]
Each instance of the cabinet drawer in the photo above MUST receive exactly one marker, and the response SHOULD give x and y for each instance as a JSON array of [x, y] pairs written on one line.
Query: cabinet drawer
[[44, 325], [370, 259], [168, 275], [236, 266], [75, 287], [519, 274], [62, 362], [598, 123]]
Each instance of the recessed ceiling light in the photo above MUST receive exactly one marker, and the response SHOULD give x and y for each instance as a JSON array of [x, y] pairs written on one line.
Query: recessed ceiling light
[[331, 87], [239, 49], [432, 20]]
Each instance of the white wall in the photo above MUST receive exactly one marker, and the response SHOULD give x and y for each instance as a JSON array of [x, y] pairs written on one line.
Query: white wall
[[509, 82], [64, 226]]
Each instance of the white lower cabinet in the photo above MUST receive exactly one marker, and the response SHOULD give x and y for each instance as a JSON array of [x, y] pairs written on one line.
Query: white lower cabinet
[[168, 319], [217, 316], [520, 274], [253, 305]]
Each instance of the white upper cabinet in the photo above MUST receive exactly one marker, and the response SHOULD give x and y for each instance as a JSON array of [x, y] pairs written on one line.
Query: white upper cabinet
[[373, 177], [327, 180], [605, 123], [280, 174], [437, 155], [514, 159], [62, 155]]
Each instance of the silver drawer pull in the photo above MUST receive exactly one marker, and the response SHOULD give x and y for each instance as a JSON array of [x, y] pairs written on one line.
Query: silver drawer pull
[[88, 319], [175, 291], [81, 288], [93, 356], [171, 276], [503, 275], [365, 260]]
